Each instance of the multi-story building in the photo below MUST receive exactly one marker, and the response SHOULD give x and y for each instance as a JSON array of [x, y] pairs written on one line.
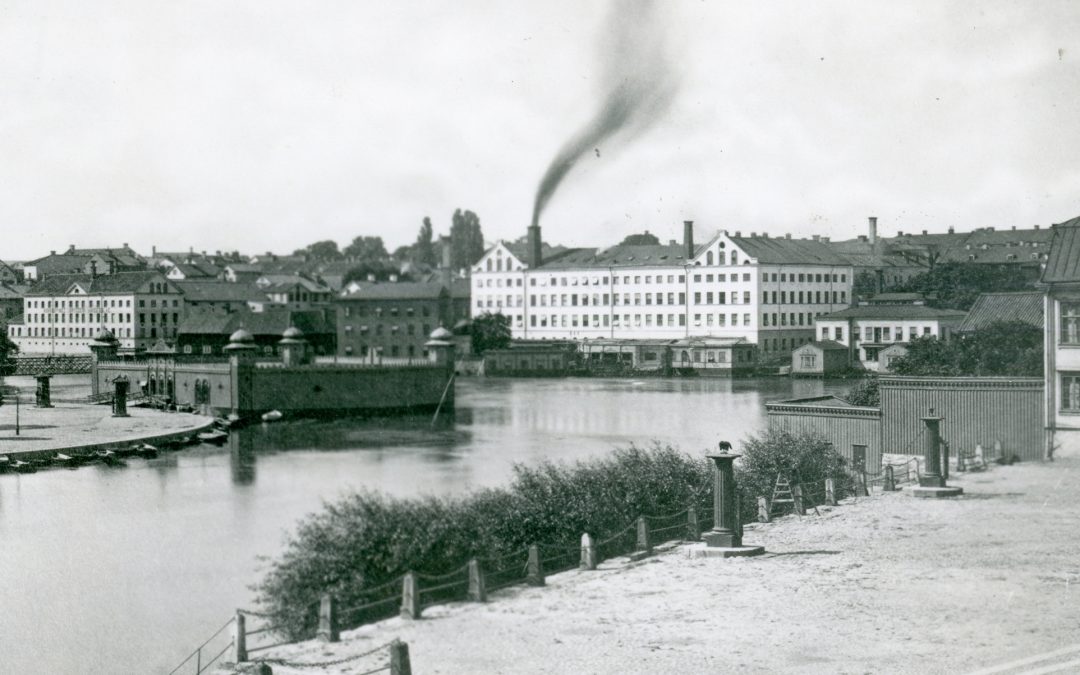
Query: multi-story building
[[294, 291], [867, 330], [92, 261], [62, 313], [392, 319], [766, 290], [1061, 284], [206, 332]]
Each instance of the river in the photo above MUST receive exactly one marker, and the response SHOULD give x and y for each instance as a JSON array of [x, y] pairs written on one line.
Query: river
[[127, 569]]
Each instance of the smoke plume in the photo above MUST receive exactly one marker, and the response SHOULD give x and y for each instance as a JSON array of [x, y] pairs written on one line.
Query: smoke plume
[[637, 86]]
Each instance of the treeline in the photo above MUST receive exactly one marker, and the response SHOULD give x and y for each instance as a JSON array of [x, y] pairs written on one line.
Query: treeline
[[955, 285], [370, 256]]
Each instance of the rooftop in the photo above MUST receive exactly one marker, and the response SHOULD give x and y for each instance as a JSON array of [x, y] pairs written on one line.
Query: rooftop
[[121, 282], [892, 312], [1063, 262], [991, 307]]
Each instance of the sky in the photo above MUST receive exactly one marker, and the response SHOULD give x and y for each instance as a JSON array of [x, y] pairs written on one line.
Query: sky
[[267, 125]]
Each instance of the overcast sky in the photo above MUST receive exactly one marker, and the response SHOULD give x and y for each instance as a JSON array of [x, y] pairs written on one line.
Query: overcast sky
[[267, 125]]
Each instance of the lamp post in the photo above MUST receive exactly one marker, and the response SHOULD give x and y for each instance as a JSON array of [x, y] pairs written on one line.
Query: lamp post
[[932, 482]]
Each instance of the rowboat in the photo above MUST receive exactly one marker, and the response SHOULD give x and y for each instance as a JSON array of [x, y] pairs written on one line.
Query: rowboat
[[109, 457], [213, 436], [147, 451], [272, 416], [67, 460], [23, 467]]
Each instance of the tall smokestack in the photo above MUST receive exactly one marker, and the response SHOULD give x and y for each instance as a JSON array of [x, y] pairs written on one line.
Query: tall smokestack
[[447, 273], [873, 230], [688, 237], [535, 244]]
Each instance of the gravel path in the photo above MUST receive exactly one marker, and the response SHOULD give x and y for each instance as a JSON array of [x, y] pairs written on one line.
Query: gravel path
[[888, 584]]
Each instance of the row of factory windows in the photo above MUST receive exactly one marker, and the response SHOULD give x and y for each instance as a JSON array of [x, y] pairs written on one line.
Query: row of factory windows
[[394, 329], [700, 298], [876, 333], [781, 277], [395, 350], [362, 310]]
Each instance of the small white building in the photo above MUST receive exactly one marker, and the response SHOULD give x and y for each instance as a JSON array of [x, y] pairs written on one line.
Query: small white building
[[869, 329], [1061, 284]]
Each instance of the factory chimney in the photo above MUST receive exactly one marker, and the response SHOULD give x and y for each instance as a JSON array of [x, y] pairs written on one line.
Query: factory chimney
[[688, 238], [446, 273], [873, 230], [535, 244]]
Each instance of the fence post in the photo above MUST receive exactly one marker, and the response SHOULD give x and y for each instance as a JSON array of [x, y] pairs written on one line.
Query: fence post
[[239, 639], [477, 583], [763, 510], [889, 483], [945, 460], [830, 492], [796, 494], [328, 628], [588, 552], [643, 543], [535, 575], [864, 485], [980, 457], [399, 659], [693, 531], [410, 597]]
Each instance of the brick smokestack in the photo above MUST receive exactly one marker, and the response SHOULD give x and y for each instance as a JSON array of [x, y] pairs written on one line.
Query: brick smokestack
[[873, 230], [535, 244], [447, 272], [688, 237]]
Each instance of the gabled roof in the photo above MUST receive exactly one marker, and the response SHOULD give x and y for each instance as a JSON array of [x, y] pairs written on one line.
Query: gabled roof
[[12, 291], [121, 282], [278, 282], [991, 307], [892, 312], [1063, 263], [784, 251], [395, 290], [219, 291], [268, 323]]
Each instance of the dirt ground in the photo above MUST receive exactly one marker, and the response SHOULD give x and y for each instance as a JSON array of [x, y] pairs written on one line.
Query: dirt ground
[[986, 583]]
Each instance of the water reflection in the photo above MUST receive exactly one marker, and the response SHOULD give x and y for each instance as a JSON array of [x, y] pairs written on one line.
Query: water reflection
[[242, 458]]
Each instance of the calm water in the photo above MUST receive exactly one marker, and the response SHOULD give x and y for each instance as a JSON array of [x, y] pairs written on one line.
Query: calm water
[[125, 570]]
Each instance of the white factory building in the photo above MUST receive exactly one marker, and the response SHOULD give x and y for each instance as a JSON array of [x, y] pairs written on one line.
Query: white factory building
[[766, 290]]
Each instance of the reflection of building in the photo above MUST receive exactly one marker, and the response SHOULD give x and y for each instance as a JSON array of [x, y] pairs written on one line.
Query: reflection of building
[[868, 329], [1061, 283]]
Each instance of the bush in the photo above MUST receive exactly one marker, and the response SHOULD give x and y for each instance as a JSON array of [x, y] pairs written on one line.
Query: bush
[[366, 539], [804, 458], [865, 393]]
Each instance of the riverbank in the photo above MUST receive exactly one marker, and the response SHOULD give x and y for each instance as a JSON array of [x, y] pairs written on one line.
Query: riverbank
[[888, 584], [77, 428]]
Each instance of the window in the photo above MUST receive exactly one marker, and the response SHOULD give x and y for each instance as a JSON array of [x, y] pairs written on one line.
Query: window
[[1070, 323], [808, 360], [1070, 392]]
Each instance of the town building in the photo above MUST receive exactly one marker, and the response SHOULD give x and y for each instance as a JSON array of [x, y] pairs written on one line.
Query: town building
[[1060, 283], [764, 290], [223, 296], [207, 332], [868, 329], [294, 291], [10, 273], [393, 319], [84, 261], [11, 303], [62, 313], [820, 358]]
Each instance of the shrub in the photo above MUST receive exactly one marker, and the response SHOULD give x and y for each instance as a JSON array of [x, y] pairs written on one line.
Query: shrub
[[366, 539], [865, 393], [804, 458]]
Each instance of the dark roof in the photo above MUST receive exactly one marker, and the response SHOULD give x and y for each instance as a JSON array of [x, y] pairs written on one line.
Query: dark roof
[[892, 312], [59, 263], [271, 322], [12, 291], [219, 291], [784, 251], [896, 298], [1063, 263], [121, 282], [395, 290], [991, 307], [521, 250], [828, 345]]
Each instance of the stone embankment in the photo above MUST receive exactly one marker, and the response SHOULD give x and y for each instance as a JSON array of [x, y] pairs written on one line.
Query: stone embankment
[[886, 584]]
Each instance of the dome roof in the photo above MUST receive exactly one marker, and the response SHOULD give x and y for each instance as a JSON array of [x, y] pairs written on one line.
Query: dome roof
[[104, 335], [463, 324], [293, 332], [241, 337], [440, 333]]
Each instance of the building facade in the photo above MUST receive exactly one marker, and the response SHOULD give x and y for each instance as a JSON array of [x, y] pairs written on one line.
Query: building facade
[[764, 290], [1061, 285], [868, 329], [62, 313], [391, 319]]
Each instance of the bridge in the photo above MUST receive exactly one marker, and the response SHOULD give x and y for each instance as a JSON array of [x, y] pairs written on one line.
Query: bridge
[[58, 364]]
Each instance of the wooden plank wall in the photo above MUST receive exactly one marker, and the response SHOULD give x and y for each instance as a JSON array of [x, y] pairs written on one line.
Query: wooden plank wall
[[842, 426], [976, 410]]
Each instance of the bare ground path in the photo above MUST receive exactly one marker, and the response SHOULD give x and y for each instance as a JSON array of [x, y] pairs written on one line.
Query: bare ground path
[[889, 584]]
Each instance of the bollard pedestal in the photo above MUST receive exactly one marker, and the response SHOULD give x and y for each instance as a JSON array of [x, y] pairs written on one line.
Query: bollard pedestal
[[932, 482], [724, 540]]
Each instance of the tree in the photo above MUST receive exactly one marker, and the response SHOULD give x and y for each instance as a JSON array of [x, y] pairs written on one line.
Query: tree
[[956, 285], [865, 393], [466, 239], [1001, 348], [644, 239], [366, 249], [423, 251], [322, 251], [381, 269], [490, 331], [7, 350]]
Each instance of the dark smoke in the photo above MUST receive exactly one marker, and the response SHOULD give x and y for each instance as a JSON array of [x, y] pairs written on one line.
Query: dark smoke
[[637, 86]]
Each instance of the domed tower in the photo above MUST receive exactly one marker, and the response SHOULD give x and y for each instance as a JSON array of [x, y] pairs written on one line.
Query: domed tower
[[241, 350], [102, 348], [294, 351], [441, 347]]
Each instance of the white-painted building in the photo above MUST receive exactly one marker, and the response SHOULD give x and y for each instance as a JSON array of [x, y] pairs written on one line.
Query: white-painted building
[[62, 313], [1061, 284], [763, 289], [869, 329]]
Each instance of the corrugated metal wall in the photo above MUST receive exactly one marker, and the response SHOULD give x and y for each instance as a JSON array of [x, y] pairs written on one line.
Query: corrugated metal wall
[[976, 410], [844, 427]]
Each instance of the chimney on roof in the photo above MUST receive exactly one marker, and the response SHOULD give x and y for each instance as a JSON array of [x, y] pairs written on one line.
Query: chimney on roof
[[816, 237], [872, 233], [899, 233], [52, 252], [738, 233], [218, 253], [825, 240], [111, 267], [924, 232], [753, 234], [125, 245], [447, 272], [688, 237], [153, 250], [862, 237], [1014, 227], [1036, 227], [93, 269], [71, 248], [787, 235], [990, 229], [765, 235], [672, 242], [952, 230], [535, 242]]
